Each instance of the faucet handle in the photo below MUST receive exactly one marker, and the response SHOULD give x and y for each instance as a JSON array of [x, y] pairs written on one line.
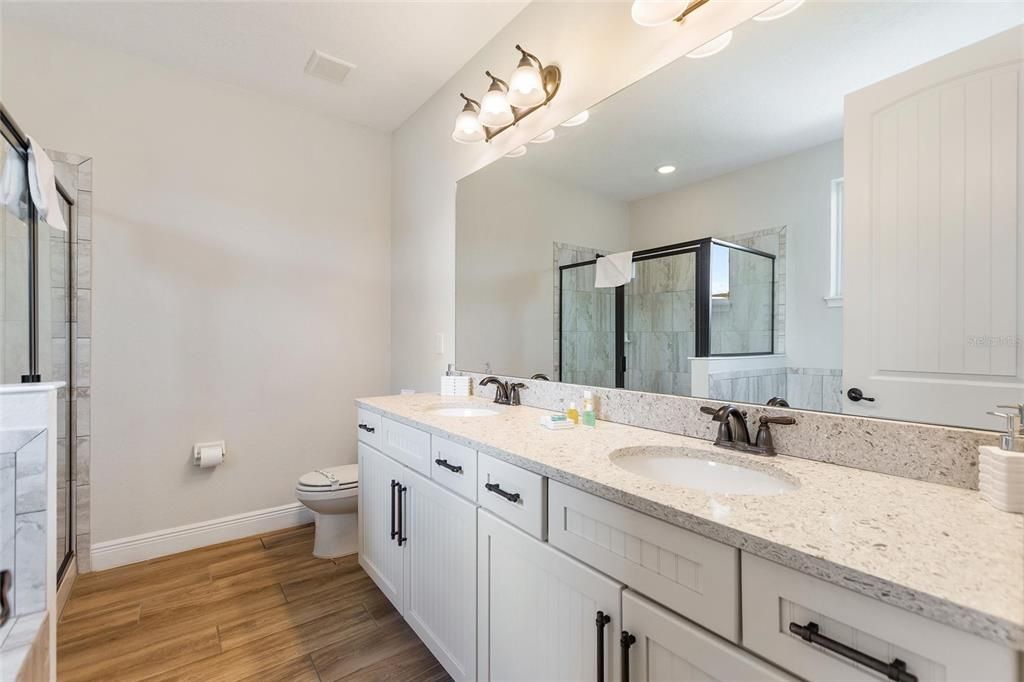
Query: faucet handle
[[788, 421], [513, 390]]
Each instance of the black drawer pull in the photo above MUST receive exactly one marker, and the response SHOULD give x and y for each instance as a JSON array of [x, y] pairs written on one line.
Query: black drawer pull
[[627, 640], [495, 488], [896, 671], [401, 514], [454, 468], [601, 620], [367, 428], [394, 484]]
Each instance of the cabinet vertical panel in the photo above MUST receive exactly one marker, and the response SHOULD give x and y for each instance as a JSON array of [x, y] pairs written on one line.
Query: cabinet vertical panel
[[379, 555], [537, 610], [440, 594]]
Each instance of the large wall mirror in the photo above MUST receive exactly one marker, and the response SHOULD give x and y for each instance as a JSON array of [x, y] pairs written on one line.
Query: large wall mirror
[[826, 214]]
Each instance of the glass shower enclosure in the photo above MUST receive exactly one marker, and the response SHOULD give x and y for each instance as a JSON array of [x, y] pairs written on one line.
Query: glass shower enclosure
[[35, 308], [703, 298]]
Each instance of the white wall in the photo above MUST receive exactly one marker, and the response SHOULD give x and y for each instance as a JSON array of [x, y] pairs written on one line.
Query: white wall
[[508, 222], [241, 278], [794, 191], [600, 50]]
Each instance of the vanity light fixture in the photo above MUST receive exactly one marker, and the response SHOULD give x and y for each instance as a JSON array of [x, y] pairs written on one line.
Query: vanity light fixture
[[546, 136], [531, 86], [660, 12], [517, 152], [665, 170], [577, 120], [780, 10], [712, 47]]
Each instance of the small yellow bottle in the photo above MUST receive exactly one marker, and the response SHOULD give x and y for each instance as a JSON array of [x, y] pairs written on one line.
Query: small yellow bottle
[[573, 414]]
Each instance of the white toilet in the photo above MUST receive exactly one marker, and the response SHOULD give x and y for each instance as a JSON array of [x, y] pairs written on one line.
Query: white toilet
[[333, 495]]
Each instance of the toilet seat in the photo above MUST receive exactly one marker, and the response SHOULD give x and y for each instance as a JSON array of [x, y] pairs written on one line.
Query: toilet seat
[[344, 477]]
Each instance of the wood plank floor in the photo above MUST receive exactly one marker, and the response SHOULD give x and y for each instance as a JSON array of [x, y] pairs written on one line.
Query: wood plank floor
[[262, 608]]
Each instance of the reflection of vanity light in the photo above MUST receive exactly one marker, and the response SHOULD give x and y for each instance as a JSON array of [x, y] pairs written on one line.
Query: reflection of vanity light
[[577, 120], [657, 12], [778, 11], [665, 170], [544, 137], [712, 47], [517, 152]]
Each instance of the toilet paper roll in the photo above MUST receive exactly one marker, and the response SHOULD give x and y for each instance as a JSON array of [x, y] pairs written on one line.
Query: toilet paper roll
[[210, 456]]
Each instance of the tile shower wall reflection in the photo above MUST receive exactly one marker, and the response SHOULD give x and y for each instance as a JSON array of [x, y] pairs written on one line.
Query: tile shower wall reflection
[[660, 319], [741, 304], [588, 329]]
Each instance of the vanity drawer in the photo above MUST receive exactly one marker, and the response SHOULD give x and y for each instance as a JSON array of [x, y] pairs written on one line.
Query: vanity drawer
[[368, 427], [453, 466], [688, 573], [409, 446], [774, 597], [513, 494]]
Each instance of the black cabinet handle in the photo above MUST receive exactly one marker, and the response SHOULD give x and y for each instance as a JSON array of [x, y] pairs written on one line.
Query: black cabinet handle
[[625, 641], [368, 429], [857, 395], [454, 468], [495, 488], [394, 484], [401, 513], [601, 620], [896, 671]]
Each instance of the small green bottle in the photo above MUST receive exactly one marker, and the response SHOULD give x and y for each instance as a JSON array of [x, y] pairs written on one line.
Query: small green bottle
[[588, 417]]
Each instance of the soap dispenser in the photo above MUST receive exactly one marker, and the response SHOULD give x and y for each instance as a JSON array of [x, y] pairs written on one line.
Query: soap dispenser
[[1013, 439]]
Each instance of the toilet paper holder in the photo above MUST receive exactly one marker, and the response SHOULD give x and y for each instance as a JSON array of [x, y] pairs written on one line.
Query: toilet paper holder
[[198, 448]]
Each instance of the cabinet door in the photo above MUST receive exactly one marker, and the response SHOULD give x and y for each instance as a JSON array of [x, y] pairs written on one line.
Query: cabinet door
[[440, 574], [537, 610], [667, 647], [380, 555]]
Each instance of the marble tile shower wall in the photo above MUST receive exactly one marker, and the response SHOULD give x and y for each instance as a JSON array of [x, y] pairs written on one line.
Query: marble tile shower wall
[[23, 542], [742, 323], [584, 320], [771, 240], [75, 173], [661, 320], [803, 388]]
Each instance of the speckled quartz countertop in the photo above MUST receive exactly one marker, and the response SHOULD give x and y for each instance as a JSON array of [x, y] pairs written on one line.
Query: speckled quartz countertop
[[935, 550]]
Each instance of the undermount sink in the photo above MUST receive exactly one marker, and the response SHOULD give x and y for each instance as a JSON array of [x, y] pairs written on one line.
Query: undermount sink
[[697, 470], [464, 411]]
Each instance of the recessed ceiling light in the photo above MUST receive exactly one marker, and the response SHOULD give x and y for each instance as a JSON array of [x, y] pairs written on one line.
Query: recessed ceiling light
[[577, 120], [665, 170], [712, 47], [546, 136], [517, 152], [778, 11]]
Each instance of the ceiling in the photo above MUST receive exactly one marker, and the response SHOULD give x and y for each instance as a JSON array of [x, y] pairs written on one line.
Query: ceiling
[[777, 89], [403, 51]]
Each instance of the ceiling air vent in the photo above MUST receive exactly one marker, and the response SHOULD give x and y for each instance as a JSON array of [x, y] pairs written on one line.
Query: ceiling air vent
[[329, 68]]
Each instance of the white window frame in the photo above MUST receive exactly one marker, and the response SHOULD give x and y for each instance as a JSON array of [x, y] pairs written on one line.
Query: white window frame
[[835, 289]]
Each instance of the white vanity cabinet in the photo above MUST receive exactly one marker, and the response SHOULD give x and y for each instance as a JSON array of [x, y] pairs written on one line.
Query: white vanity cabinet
[[418, 543], [660, 646], [539, 610]]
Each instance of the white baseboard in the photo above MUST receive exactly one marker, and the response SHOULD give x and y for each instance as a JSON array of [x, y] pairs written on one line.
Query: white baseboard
[[137, 548]]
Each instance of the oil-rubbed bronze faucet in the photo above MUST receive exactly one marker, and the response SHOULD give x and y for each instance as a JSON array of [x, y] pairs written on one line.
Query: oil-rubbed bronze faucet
[[734, 435], [502, 396]]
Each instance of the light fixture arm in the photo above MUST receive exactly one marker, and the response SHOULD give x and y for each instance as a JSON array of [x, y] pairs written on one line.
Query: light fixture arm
[[471, 104], [496, 81], [531, 57]]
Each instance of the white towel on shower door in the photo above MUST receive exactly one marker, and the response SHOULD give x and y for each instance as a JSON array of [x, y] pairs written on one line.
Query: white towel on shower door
[[43, 186], [614, 270]]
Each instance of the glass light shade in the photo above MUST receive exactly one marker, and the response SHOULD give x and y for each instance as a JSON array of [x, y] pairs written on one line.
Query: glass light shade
[[495, 110], [778, 11], [712, 47], [526, 88], [657, 12], [467, 127], [546, 136], [577, 120], [517, 152]]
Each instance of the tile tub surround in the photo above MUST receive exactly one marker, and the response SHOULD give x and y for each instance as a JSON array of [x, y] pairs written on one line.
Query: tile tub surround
[[23, 516], [936, 454], [934, 550]]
